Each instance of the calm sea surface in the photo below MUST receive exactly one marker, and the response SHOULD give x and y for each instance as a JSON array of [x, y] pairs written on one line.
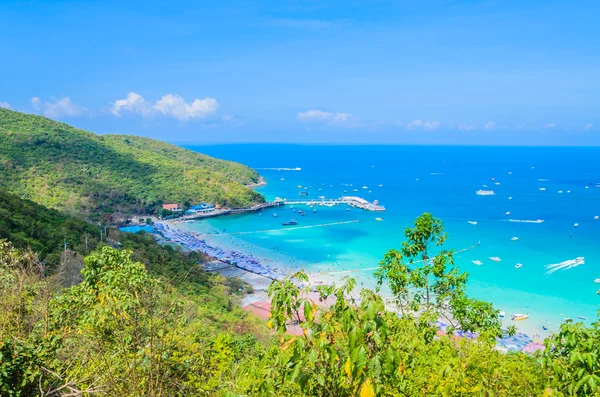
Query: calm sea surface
[[443, 181]]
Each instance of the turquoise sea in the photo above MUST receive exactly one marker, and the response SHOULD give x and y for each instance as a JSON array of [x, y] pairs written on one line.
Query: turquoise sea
[[443, 181]]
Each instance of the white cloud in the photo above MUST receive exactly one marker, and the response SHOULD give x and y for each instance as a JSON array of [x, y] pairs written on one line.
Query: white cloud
[[58, 107], [319, 116], [427, 125], [5, 105], [35, 102], [467, 127], [169, 105], [133, 103], [550, 125], [490, 125], [175, 106], [588, 126]]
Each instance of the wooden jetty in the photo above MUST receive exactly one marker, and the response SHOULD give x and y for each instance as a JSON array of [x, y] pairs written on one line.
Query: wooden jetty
[[352, 201]]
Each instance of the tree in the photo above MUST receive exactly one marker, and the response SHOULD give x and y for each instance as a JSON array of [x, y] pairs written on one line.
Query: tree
[[572, 359], [355, 347], [429, 286]]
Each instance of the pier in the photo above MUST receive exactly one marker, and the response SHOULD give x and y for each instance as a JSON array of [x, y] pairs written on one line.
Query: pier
[[352, 201]]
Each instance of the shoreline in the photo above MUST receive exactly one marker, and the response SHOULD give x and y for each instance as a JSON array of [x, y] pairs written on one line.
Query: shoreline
[[261, 182], [259, 276]]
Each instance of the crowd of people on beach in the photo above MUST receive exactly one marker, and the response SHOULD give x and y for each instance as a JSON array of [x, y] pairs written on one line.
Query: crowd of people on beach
[[194, 242]]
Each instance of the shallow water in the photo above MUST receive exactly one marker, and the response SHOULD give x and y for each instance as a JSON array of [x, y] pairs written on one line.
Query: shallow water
[[443, 181]]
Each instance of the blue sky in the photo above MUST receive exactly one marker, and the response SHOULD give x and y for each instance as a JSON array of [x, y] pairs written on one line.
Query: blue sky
[[443, 72]]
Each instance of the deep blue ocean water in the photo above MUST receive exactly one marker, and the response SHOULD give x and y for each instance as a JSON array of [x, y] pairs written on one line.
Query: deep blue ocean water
[[441, 180]]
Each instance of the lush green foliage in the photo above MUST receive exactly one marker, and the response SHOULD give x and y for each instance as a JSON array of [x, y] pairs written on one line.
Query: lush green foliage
[[431, 287], [358, 348], [121, 332], [74, 170], [27, 224], [572, 357]]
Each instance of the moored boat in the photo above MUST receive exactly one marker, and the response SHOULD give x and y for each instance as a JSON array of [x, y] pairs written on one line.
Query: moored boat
[[290, 223], [519, 317]]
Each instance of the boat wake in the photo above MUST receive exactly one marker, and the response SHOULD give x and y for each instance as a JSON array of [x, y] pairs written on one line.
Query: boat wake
[[525, 220], [565, 265]]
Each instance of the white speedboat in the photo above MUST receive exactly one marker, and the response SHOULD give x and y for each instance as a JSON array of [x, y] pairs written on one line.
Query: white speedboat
[[542, 188], [501, 315], [596, 217], [519, 317], [495, 258], [597, 280], [478, 263], [472, 222], [510, 198], [576, 225], [518, 265], [514, 239], [507, 213], [481, 192]]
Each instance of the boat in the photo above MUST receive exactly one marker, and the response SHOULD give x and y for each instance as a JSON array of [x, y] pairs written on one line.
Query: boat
[[347, 209], [290, 223], [514, 239], [507, 213], [302, 213], [519, 317], [274, 215], [314, 210], [568, 191], [380, 185], [582, 317], [364, 187], [542, 188], [283, 179], [510, 198], [518, 265], [575, 225], [501, 315], [481, 192], [355, 190], [345, 191], [596, 217], [495, 258], [304, 193], [378, 219], [472, 222], [299, 186], [478, 263], [597, 280], [497, 183], [545, 328], [560, 192]]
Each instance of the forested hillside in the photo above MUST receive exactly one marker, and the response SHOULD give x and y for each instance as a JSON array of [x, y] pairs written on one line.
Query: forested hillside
[[77, 171]]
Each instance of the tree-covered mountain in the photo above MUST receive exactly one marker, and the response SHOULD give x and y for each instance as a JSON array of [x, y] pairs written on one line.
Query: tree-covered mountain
[[77, 171], [43, 230]]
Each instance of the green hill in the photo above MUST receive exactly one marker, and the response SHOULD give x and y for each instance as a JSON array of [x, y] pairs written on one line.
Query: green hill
[[27, 224], [77, 171]]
